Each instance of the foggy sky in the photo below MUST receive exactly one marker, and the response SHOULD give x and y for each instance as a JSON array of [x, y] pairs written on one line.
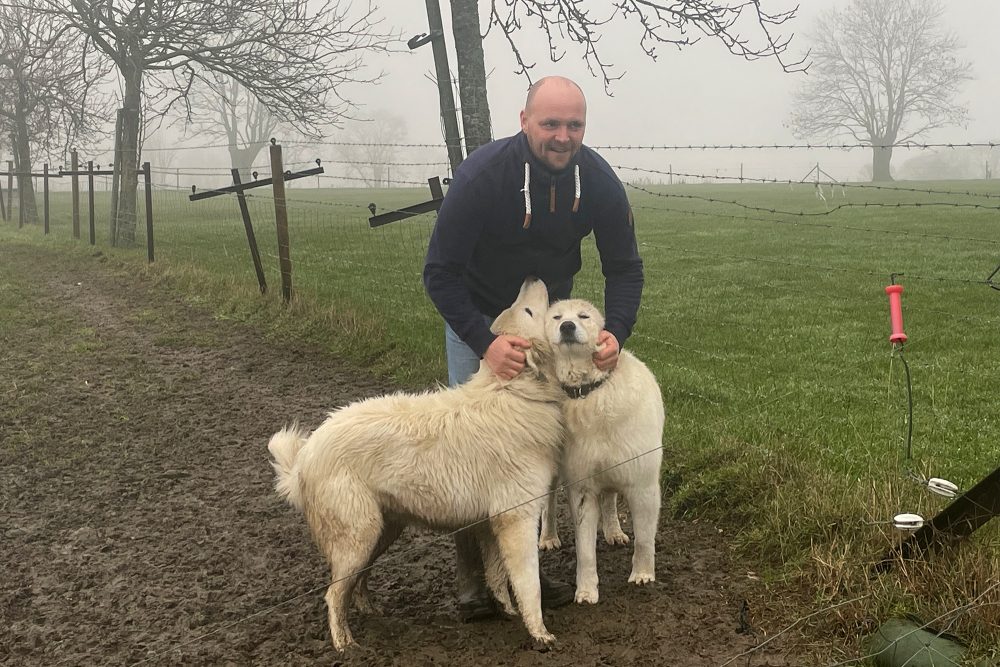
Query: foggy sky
[[701, 94]]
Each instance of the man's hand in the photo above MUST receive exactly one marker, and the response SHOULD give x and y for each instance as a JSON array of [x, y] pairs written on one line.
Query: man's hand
[[505, 356], [606, 357]]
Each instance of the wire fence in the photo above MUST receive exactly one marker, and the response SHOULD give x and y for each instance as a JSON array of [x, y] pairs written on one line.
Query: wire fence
[[779, 281]]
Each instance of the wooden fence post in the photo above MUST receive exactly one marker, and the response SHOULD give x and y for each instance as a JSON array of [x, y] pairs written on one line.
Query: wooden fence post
[[281, 220], [251, 238], [45, 196], [90, 200], [74, 166], [147, 177], [10, 187], [3, 206]]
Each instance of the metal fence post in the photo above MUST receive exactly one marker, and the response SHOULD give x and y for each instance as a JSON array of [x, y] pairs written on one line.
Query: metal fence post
[[45, 196], [251, 238], [90, 200], [74, 166], [149, 210]]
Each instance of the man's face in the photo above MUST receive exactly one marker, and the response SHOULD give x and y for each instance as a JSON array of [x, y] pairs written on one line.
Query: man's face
[[554, 122]]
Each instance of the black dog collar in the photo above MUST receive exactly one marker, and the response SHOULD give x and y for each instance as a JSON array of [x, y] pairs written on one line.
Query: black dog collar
[[583, 390]]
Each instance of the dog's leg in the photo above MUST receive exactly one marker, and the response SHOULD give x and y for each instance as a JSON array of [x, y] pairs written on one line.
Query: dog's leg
[[549, 539], [586, 516], [516, 536], [347, 533], [494, 570], [610, 525], [362, 596], [645, 505]]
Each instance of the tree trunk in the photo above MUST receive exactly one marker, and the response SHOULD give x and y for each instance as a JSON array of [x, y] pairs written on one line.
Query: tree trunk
[[881, 157], [242, 159], [22, 160], [127, 157], [471, 74]]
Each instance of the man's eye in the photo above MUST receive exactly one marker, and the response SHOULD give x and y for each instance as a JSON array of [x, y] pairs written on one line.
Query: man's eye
[[584, 316]]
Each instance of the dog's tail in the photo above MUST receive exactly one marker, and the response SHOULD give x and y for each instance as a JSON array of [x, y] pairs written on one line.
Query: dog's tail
[[284, 447]]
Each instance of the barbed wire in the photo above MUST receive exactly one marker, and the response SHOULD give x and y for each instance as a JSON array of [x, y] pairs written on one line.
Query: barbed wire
[[821, 225], [829, 211], [810, 146], [843, 184], [636, 147], [800, 265]]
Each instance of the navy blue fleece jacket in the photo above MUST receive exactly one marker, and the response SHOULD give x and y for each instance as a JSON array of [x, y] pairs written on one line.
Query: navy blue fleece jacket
[[480, 251]]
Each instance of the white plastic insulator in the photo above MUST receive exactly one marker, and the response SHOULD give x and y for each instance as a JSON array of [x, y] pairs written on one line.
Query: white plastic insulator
[[908, 521], [942, 487]]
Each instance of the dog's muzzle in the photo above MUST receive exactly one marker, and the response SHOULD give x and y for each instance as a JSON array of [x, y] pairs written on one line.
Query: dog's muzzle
[[567, 332]]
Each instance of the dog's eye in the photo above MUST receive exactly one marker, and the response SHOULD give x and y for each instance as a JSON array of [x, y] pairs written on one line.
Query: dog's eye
[[584, 316], [528, 310], [557, 317]]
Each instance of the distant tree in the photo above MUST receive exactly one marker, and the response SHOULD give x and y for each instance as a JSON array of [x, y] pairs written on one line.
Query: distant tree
[[372, 147], [224, 109], [46, 101], [580, 23], [884, 72], [293, 55]]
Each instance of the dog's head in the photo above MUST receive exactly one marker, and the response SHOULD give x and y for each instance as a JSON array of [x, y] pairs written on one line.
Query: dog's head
[[574, 323], [526, 316], [572, 327]]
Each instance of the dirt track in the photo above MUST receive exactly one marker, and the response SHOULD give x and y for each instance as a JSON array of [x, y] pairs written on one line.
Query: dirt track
[[140, 526]]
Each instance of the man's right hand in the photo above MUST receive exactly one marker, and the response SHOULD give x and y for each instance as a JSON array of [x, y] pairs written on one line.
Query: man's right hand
[[505, 356]]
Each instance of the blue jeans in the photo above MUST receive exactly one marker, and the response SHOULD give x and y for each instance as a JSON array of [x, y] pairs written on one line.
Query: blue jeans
[[462, 361]]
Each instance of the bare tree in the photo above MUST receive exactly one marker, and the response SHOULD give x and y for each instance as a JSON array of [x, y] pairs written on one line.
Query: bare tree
[[224, 109], [579, 25], [372, 147], [885, 72], [45, 89], [292, 55]]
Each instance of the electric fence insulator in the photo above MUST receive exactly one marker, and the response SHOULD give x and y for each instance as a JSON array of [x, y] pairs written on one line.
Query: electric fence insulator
[[896, 313], [908, 522]]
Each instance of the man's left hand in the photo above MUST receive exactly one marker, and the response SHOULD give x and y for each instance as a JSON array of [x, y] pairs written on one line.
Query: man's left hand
[[606, 357]]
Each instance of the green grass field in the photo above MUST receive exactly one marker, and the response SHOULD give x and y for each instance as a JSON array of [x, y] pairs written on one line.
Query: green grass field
[[768, 332]]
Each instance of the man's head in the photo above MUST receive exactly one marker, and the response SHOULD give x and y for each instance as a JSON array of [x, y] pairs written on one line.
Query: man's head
[[554, 119]]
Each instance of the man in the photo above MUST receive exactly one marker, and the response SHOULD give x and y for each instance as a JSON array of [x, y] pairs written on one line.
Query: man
[[520, 207]]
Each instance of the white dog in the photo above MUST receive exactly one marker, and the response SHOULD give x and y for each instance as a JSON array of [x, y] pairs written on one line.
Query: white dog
[[612, 418], [486, 451]]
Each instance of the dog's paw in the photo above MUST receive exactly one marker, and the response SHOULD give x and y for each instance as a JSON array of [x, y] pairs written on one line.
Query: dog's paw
[[549, 543], [641, 578], [543, 642], [616, 537], [584, 596]]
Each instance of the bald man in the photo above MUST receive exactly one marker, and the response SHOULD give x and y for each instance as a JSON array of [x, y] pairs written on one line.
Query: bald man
[[520, 207]]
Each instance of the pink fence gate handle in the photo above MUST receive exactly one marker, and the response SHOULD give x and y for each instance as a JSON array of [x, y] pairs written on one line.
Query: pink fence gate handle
[[896, 313]]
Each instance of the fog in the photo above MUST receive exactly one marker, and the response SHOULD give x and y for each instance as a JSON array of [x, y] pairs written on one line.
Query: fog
[[700, 94]]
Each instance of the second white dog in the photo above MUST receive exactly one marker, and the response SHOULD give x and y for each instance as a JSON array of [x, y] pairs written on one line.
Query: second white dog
[[615, 428]]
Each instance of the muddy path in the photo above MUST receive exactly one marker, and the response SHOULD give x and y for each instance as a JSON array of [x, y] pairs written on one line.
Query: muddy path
[[139, 524]]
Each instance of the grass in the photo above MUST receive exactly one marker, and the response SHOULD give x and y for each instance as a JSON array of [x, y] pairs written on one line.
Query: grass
[[768, 333]]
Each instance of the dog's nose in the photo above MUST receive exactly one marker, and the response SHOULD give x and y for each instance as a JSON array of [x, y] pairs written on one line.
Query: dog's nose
[[567, 327]]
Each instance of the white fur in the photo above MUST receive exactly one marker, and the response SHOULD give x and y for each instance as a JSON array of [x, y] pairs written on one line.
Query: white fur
[[621, 420], [444, 459]]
